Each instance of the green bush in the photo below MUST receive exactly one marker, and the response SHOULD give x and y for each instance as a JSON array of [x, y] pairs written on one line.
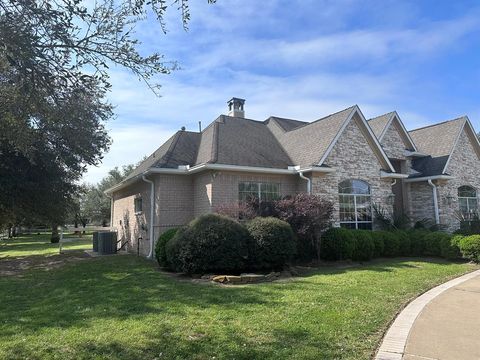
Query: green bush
[[173, 248], [405, 245], [209, 243], [162, 241], [364, 245], [378, 241], [449, 247], [391, 241], [433, 243], [272, 243], [338, 244], [470, 247], [417, 241]]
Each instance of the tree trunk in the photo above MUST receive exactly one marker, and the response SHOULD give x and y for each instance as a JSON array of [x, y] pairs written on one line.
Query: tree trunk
[[55, 238]]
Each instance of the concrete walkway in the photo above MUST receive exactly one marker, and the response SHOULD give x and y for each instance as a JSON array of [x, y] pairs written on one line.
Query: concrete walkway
[[441, 324], [448, 328]]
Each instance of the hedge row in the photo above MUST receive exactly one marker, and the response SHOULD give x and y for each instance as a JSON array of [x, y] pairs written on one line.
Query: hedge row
[[342, 244], [213, 243]]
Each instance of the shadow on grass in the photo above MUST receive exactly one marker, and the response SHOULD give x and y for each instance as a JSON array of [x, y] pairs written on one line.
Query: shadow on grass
[[127, 291]]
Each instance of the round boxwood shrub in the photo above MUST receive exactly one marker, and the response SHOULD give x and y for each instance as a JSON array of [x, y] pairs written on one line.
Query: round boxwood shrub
[[337, 244], [449, 247], [209, 243], [470, 247], [272, 243], [364, 245], [405, 248], [417, 241], [162, 241], [433, 243], [391, 242], [378, 241]]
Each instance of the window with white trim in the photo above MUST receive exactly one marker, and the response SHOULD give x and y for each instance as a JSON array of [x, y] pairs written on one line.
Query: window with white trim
[[355, 204], [138, 205], [258, 190], [467, 202]]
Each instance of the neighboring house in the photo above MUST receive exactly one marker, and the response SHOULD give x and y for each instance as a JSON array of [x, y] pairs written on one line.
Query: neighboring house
[[429, 173]]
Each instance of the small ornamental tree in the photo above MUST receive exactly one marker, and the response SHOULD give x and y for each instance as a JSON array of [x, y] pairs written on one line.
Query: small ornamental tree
[[309, 216]]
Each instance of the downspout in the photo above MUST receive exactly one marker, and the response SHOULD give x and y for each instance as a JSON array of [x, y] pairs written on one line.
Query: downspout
[[152, 208], [309, 182], [111, 211], [435, 201]]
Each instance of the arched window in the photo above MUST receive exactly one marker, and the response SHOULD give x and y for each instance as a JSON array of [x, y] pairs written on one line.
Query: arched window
[[467, 201], [355, 204]]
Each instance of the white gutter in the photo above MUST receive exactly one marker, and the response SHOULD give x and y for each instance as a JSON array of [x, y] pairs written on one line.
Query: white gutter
[[384, 174], [427, 178], [309, 182], [435, 201], [185, 170], [152, 209]]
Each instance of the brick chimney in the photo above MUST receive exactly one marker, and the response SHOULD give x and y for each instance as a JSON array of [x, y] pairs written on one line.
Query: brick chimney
[[236, 107]]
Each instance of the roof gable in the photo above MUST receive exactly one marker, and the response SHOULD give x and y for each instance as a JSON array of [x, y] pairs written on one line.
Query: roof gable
[[367, 133], [472, 137], [307, 143], [381, 125]]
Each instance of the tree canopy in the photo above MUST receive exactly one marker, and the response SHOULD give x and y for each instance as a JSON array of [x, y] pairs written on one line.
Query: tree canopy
[[55, 57]]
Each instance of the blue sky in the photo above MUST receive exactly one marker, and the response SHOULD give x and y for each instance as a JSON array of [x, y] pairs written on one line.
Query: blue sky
[[301, 59]]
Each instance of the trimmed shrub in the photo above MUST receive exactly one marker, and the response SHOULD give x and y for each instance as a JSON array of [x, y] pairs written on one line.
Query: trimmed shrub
[[162, 241], [417, 241], [470, 247], [338, 244], [272, 243], [405, 248], [378, 241], [391, 241], [173, 248], [364, 245], [209, 243], [449, 247], [433, 243]]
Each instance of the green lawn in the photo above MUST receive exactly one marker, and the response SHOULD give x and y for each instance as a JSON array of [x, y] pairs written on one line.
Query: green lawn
[[27, 245], [122, 307]]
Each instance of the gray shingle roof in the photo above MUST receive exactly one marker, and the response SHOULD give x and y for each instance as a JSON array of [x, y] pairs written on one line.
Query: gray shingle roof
[[306, 144], [180, 149], [437, 141], [378, 124], [286, 124]]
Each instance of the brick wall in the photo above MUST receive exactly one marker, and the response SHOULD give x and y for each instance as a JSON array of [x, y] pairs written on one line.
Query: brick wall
[[128, 224], [353, 158], [225, 185]]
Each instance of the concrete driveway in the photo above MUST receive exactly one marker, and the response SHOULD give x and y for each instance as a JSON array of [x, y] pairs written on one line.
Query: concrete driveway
[[448, 328]]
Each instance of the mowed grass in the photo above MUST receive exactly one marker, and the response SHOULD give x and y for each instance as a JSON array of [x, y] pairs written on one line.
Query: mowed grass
[[27, 245], [123, 307]]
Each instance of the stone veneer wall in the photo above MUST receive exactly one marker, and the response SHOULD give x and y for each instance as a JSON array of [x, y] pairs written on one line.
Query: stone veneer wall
[[393, 143], [353, 158], [464, 165]]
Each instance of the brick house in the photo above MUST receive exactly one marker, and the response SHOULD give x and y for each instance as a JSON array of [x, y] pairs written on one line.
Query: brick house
[[429, 173]]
